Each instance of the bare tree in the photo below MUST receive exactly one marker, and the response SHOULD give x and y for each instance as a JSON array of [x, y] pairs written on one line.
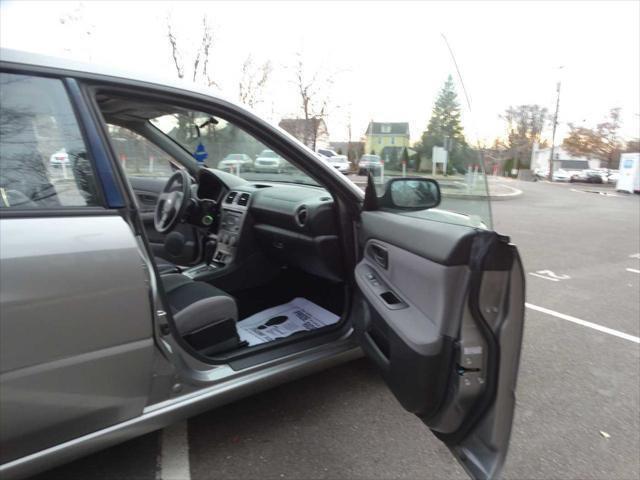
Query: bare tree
[[314, 99], [177, 60], [601, 142], [78, 31], [200, 63], [253, 81], [525, 124]]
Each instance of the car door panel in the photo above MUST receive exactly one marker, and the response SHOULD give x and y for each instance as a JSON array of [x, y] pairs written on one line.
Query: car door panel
[[439, 309], [442, 243], [415, 337], [76, 343]]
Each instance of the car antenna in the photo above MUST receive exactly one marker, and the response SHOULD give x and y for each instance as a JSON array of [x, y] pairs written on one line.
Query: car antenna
[[453, 57]]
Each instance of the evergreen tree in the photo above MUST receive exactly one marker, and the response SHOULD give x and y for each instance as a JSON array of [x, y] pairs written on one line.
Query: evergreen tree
[[445, 125]]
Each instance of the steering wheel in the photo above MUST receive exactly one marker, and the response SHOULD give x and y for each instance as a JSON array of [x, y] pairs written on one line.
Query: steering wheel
[[172, 202]]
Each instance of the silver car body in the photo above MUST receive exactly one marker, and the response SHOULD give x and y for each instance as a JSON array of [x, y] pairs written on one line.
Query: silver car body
[[92, 334], [87, 334], [79, 293], [84, 362]]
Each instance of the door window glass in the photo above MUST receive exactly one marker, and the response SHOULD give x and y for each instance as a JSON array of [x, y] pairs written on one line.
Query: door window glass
[[43, 158], [138, 156]]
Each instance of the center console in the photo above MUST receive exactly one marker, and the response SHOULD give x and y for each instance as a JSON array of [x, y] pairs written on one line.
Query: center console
[[233, 211]]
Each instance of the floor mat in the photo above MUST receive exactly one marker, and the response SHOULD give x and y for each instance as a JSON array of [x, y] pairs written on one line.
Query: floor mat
[[299, 315]]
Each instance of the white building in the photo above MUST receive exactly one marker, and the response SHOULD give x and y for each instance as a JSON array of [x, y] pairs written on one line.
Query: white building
[[561, 159]]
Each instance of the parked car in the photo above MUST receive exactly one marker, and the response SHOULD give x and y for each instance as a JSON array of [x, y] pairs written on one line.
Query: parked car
[[540, 173], [120, 317], [235, 160], [327, 152], [340, 163], [369, 163], [270, 162], [59, 158], [561, 175], [608, 175], [586, 176]]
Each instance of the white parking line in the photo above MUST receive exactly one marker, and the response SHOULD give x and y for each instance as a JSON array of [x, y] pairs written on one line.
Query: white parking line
[[584, 323], [544, 276], [633, 270], [173, 463], [549, 275], [606, 194]]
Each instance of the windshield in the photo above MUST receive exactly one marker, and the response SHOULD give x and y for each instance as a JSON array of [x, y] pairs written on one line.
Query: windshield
[[212, 139]]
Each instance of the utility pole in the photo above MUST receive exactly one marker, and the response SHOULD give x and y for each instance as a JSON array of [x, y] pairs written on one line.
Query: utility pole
[[553, 135], [447, 146]]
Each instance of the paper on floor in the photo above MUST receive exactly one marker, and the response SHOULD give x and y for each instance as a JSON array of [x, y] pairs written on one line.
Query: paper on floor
[[298, 315]]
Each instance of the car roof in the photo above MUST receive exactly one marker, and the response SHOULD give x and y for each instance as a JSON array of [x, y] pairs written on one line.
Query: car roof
[[76, 68]]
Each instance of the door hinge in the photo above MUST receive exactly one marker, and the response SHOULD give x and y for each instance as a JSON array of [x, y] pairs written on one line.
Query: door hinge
[[470, 365], [470, 378], [462, 370]]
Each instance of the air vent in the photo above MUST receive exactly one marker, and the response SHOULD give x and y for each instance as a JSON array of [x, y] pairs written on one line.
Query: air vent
[[230, 197], [301, 216], [243, 200]]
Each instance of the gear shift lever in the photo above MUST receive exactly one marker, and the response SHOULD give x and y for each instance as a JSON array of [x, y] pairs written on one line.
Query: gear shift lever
[[209, 251]]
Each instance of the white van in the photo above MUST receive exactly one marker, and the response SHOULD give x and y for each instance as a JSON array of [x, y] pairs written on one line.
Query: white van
[[629, 176]]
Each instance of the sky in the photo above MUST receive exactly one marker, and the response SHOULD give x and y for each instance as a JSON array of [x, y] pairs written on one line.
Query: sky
[[382, 61]]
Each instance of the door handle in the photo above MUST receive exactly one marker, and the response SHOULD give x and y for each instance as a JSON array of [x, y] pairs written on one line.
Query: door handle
[[379, 255]]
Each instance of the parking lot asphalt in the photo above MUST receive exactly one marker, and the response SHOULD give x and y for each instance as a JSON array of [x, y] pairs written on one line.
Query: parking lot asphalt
[[578, 398]]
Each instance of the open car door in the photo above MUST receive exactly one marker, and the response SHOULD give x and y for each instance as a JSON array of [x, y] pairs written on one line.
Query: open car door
[[439, 307]]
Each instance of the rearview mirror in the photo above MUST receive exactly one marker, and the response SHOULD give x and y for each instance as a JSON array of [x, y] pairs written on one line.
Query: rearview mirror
[[411, 193]]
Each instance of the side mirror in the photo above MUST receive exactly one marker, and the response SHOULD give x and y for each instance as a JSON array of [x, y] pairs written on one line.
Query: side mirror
[[410, 193]]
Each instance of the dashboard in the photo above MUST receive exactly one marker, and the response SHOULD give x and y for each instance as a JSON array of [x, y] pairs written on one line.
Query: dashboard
[[293, 225], [209, 185]]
